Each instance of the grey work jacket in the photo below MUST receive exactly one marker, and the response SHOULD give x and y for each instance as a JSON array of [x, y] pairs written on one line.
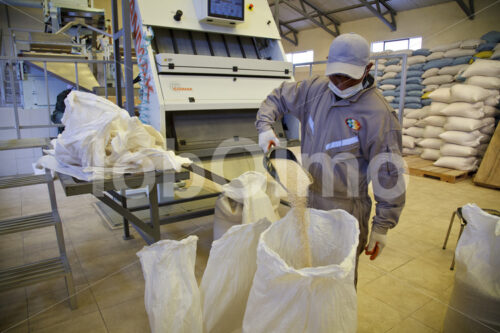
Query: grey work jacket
[[346, 143]]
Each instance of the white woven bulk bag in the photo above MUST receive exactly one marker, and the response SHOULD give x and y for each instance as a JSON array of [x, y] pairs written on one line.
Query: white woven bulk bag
[[408, 141], [282, 294], [408, 122], [483, 67], [171, 294], [446, 85], [389, 98], [484, 138], [458, 163], [387, 87], [462, 109], [388, 75], [430, 87], [435, 121], [430, 72], [471, 43], [451, 70], [442, 95], [393, 68], [432, 143], [434, 56], [227, 279], [455, 53], [490, 111], [420, 123], [430, 154], [438, 79], [468, 93], [446, 47], [416, 114], [415, 60], [412, 151], [488, 129], [432, 131], [492, 100], [470, 139], [450, 149], [415, 132], [486, 82], [475, 299], [436, 107], [462, 124]]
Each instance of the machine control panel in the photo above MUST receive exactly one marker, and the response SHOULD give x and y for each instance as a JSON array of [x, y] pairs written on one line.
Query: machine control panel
[[225, 12]]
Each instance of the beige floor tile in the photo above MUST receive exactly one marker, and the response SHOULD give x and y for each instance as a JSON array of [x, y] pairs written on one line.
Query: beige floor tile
[[439, 257], [390, 259], [410, 325], [87, 250], [367, 273], [396, 293], [13, 309], [374, 315], [431, 314], [88, 323], [11, 260], [10, 247], [129, 316], [426, 277], [409, 245], [103, 266], [10, 212], [52, 309], [20, 327], [120, 287]]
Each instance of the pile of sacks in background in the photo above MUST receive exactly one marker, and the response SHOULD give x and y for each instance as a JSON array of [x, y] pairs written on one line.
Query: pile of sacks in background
[[462, 98], [101, 139], [251, 282]]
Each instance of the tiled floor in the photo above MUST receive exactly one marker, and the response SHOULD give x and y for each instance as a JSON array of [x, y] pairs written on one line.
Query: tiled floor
[[405, 290]]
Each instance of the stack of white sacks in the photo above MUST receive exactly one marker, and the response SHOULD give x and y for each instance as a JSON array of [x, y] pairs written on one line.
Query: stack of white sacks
[[460, 121]]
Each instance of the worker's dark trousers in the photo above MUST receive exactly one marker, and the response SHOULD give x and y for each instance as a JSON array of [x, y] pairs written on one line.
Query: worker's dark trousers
[[360, 208]]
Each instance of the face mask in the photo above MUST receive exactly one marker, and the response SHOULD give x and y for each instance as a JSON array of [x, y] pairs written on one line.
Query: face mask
[[346, 93]]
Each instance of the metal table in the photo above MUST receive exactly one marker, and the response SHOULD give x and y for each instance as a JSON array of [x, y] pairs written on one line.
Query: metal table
[[109, 190]]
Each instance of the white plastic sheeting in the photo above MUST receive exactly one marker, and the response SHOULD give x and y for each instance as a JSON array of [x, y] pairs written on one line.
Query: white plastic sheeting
[[246, 199], [101, 139], [475, 300]]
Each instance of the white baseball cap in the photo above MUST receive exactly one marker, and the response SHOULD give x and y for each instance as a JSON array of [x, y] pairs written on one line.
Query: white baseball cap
[[349, 55]]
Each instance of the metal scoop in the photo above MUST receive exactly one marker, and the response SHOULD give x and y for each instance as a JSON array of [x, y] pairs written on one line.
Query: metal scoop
[[283, 153]]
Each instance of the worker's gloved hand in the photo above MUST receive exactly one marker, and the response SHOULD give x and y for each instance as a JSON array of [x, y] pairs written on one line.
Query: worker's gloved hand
[[375, 244], [266, 139]]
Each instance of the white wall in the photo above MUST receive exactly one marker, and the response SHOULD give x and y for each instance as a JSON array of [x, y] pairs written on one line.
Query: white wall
[[439, 24]]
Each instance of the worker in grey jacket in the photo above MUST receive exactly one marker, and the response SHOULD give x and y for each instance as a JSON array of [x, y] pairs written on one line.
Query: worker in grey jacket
[[350, 136]]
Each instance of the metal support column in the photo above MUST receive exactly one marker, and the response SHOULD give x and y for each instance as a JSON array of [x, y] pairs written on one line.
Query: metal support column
[[14, 99], [116, 53], [127, 48]]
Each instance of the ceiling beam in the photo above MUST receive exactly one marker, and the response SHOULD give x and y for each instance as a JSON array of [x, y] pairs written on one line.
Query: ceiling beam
[[338, 10], [469, 11], [323, 14], [391, 25], [312, 19]]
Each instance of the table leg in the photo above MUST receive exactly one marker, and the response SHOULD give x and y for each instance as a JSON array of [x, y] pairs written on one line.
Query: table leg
[[154, 212], [126, 227]]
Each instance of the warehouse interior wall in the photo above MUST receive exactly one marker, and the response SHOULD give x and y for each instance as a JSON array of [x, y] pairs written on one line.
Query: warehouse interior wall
[[439, 24]]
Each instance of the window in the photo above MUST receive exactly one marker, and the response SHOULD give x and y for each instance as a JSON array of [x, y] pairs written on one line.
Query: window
[[413, 43], [300, 57]]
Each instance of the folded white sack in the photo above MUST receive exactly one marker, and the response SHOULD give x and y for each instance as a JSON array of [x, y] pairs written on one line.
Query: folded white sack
[[102, 139]]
